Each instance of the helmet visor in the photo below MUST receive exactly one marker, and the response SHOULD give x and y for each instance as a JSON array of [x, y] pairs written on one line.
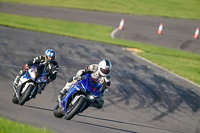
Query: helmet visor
[[104, 71], [51, 58]]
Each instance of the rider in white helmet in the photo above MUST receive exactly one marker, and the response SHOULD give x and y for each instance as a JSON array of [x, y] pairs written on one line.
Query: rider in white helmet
[[99, 71]]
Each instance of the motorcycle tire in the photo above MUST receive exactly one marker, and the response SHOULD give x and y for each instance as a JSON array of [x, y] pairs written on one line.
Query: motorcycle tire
[[57, 112], [25, 95], [76, 108], [15, 99]]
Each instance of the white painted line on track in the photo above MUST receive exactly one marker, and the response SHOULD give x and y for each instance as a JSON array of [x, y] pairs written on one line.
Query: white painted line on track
[[113, 32]]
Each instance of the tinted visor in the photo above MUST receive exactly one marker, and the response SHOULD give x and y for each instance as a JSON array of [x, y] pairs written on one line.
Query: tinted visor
[[105, 71], [51, 58]]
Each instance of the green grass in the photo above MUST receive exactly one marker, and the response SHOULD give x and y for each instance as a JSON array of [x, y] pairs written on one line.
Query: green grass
[[187, 9], [8, 126], [186, 67], [183, 63]]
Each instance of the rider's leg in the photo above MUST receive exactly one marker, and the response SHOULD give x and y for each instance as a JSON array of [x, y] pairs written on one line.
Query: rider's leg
[[70, 82]]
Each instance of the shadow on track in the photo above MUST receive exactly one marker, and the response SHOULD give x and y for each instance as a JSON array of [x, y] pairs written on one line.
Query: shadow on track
[[39, 108], [97, 125], [141, 87]]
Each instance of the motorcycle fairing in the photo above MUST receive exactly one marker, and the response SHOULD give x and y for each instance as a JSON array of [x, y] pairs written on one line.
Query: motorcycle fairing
[[30, 75], [94, 87], [88, 84], [25, 78], [71, 91]]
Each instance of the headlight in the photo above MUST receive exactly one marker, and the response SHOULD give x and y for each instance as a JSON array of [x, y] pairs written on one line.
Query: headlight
[[91, 97]]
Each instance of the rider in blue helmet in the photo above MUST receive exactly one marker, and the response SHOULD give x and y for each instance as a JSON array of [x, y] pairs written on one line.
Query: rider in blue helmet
[[51, 65], [50, 55]]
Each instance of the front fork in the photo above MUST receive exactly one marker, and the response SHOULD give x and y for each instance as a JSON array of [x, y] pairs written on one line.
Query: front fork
[[14, 87], [23, 89]]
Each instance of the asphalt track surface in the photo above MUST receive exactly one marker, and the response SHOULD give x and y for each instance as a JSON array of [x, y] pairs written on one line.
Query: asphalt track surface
[[143, 97]]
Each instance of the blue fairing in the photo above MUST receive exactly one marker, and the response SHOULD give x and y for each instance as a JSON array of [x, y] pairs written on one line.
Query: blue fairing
[[27, 75], [71, 91], [90, 86]]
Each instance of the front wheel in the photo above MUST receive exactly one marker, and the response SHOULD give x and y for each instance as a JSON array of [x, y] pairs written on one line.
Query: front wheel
[[73, 110], [57, 112], [25, 96], [15, 99]]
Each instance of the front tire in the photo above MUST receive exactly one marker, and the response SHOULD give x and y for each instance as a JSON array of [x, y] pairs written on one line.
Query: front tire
[[25, 95], [15, 99], [75, 109], [57, 112]]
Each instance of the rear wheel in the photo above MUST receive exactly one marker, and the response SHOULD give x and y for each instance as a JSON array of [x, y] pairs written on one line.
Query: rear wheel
[[25, 96], [74, 109], [57, 112]]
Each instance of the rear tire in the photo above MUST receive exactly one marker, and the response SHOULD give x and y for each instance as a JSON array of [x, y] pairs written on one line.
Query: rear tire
[[76, 109], [25, 95], [57, 112], [15, 99]]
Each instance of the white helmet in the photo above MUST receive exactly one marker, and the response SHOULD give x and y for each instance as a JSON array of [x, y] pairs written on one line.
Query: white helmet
[[104, 67]]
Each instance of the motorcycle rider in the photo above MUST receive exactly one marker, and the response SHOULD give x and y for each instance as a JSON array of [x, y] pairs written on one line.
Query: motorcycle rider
[[100, 72], [51, 66]]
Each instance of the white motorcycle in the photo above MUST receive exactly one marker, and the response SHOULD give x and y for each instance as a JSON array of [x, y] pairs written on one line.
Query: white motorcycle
[[30, 84]]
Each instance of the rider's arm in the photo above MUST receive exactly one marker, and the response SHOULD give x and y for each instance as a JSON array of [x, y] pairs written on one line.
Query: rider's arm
[[106, 84], [36, 60], [90, 69], [53, 72]]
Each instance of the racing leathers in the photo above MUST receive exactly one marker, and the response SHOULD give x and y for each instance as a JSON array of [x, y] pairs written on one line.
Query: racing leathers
[[93, 70]]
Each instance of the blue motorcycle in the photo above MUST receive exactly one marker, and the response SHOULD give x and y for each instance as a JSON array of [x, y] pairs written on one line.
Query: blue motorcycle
[[79, 97], [31, 83]]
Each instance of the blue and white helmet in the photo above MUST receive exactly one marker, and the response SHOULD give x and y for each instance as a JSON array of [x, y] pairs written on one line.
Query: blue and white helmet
[[50, 54], [104, 67]]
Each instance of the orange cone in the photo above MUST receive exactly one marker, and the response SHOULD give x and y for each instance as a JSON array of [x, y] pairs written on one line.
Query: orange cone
[[196, 35], [160, 29], [121, 25]]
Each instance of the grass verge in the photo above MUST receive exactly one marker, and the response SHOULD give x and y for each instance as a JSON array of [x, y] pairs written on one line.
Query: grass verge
[[183, 63], [8, 126], [187, 9]]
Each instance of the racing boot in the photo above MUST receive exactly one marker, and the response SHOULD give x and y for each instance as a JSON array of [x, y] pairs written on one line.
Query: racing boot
[[42, 86], [65, 89], [61, 96]]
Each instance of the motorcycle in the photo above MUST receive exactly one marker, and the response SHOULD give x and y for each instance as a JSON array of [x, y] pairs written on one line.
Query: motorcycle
[[79, 97], [30, 84]]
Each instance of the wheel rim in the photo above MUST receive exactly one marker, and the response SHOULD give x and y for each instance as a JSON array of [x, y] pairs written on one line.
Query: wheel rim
[[71, 107]]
